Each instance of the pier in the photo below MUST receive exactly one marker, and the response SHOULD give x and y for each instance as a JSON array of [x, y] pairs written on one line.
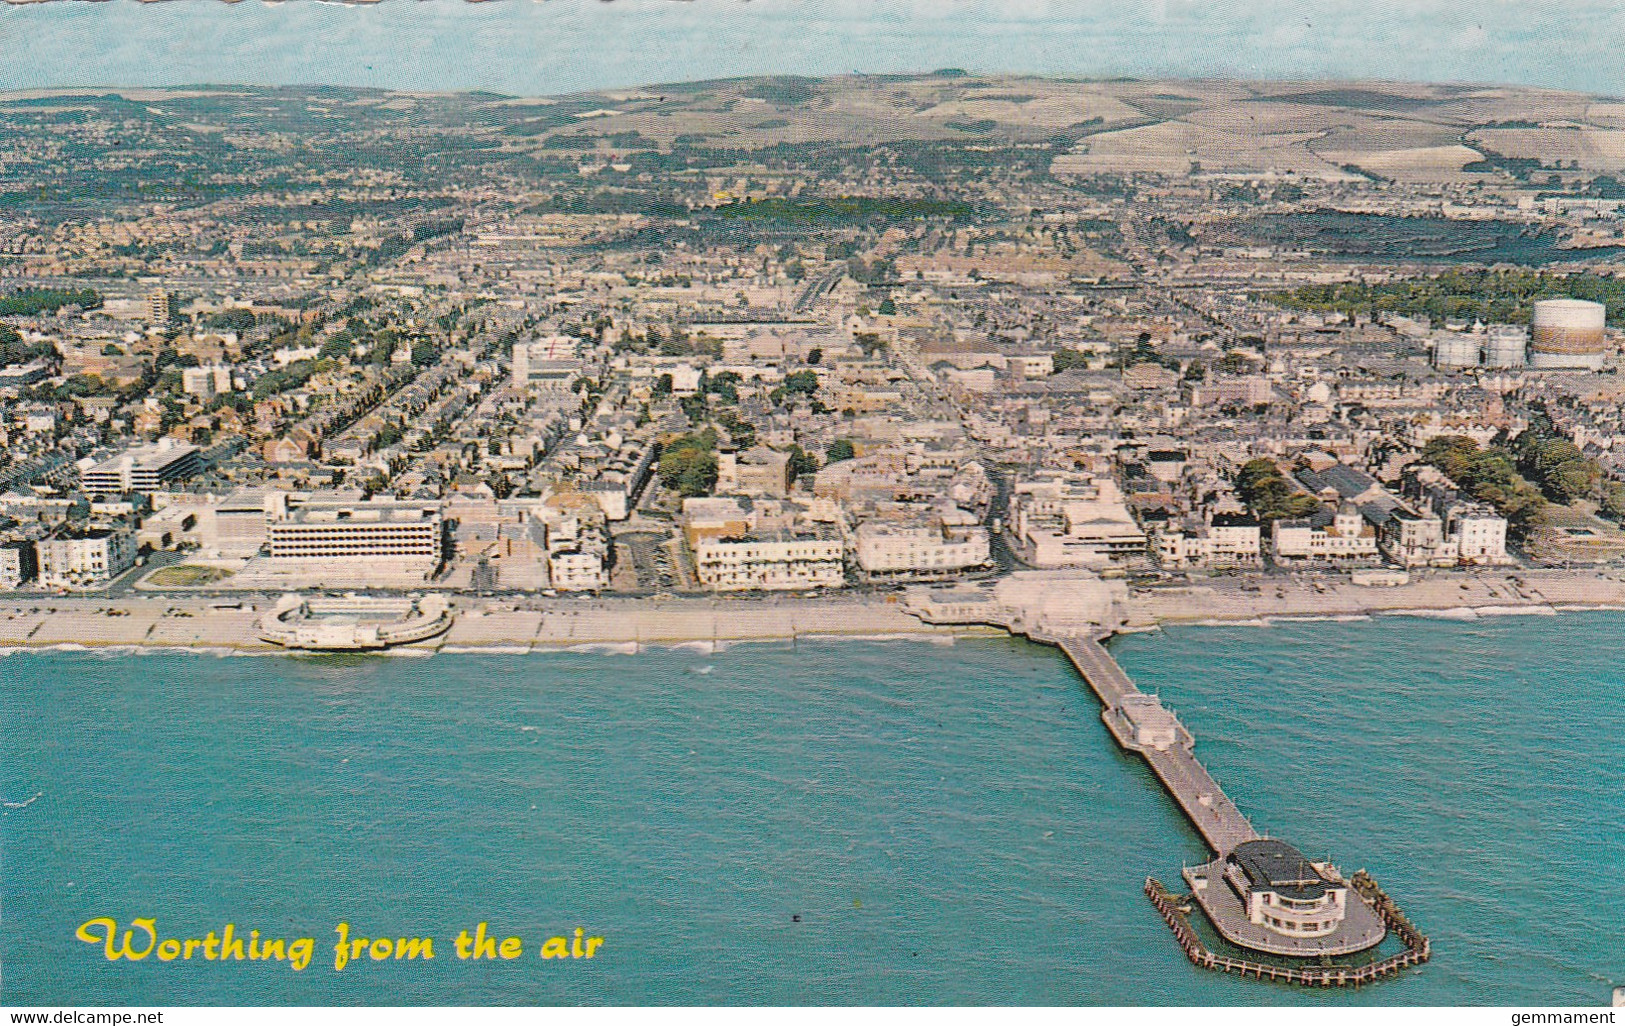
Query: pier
[[1140, 724], [1260, 893]]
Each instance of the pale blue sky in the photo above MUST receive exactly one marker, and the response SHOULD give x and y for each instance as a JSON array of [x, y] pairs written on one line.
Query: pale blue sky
[[535, 47]]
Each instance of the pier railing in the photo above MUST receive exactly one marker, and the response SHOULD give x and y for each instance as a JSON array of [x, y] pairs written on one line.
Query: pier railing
[[1176, 911]]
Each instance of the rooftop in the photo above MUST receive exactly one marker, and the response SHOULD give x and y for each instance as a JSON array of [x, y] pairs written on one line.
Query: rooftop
[[1277, 866]]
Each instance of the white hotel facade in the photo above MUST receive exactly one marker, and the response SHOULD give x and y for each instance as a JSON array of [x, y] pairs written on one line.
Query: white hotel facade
[[773, 561]]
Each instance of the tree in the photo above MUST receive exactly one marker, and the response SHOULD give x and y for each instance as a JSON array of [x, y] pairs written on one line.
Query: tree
[[695, 407], [802, 463], [1268, 493], [337, 346], [662, 386], [689, 464], [673, 344], [235, 319], [724, 386], [1066, 359], [887, 307], [1488, 475], [1573, 480], [839, 450], [815, 356], [1613, 500], [802, 382]]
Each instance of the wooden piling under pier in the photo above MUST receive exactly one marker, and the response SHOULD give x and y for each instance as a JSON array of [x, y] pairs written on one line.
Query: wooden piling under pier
[[1176, 913]]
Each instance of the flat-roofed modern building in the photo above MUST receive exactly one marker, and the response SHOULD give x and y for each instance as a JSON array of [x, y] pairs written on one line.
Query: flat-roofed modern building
[[239, 523], [549, 364], [158, 306], [372, 530], [206, 382], [144, 468], [1069, 519]]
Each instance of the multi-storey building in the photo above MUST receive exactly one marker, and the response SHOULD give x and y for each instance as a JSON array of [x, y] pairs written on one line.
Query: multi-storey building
[[86, 559], [1225, 540], [919, 550], [206, 382], [17, 564], [145, 468], [1341, 537], [577, 570], [1479, 532], [1070, 519], [405, 534], [1414, 539], [158, 307], [781, 560]]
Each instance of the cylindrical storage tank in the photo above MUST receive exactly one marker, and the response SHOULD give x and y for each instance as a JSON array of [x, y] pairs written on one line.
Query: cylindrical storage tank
[[1505, 346], [1567, 333], [1456, 350]]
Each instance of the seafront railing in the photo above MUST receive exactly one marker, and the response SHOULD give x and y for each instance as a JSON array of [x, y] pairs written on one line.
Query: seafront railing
[[1176, 913]]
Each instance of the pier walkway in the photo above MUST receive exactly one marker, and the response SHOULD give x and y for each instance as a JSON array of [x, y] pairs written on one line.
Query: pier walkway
[[1132, 716], [1070, 611]]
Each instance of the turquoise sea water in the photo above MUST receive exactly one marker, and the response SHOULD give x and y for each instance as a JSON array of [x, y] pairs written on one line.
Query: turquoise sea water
[[951, 824]]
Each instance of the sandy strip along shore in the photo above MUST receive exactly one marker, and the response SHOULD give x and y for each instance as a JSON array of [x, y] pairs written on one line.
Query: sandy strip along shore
[[498, 626], [1464, 595], [488, 626]]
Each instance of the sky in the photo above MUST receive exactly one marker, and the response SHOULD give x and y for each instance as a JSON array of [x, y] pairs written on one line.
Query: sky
[[541, 47]]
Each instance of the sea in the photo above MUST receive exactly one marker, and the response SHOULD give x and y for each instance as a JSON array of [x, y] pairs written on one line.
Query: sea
[[831, 822]]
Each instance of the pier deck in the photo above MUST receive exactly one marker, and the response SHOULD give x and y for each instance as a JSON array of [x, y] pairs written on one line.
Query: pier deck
[[1210, 810], [1140, 724]]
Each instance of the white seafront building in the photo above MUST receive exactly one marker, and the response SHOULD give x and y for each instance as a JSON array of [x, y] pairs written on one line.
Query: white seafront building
[[909, 550], [1224, 540], [773, 560], [360, 543], [1341, 537], [1064, 518], [88, 559]]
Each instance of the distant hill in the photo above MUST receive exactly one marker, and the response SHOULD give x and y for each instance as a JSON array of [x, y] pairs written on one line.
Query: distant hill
[[1376, 130]]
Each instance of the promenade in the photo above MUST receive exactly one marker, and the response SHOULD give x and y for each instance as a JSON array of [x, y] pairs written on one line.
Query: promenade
[[479, 625], [224, 620]]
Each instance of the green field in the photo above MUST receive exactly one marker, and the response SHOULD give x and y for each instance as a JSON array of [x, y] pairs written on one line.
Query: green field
[[185, 576]]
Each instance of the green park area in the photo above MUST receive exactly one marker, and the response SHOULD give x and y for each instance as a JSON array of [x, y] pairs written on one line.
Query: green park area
[[186, 575]]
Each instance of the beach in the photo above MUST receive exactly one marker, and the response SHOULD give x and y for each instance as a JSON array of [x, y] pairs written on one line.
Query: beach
[[516, 626], [480, 625]]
